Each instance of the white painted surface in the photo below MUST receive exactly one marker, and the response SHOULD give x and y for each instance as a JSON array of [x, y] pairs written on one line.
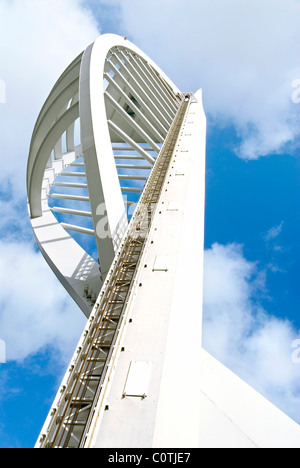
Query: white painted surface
[[104, 188], [138, 377], [78, 94], [161, 263], [178, 413], [173, 206], [70, 263], [233, 415], [192, 400], [166, 318]]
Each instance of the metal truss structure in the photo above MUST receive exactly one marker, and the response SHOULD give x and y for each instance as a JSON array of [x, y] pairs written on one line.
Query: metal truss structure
[[114, 87], [116, 194], [90, 372], [92, 150]]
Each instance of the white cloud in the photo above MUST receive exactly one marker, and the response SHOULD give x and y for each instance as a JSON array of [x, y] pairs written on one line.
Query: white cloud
[[239, 332], [274, 232], [34, 309], [39, 39], [244, 54]]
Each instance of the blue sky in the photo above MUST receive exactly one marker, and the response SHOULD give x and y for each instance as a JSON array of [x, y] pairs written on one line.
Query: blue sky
[[245, 57]]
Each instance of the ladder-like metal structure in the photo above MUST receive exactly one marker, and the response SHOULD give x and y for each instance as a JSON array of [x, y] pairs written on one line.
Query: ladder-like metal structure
[[71, 419]]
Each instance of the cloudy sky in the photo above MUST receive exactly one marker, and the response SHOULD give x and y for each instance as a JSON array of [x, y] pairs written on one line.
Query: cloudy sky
[[245, 56]]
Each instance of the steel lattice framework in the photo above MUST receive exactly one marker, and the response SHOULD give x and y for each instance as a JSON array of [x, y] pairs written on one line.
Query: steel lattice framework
[[92, 150], [117, 158], [90, 372], [124, 124]]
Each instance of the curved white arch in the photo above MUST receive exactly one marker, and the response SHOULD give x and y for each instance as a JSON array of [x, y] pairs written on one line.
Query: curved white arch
[[125, 105]]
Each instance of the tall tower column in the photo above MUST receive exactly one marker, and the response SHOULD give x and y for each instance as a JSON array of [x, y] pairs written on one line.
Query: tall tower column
[[116, 195], [153, 397]]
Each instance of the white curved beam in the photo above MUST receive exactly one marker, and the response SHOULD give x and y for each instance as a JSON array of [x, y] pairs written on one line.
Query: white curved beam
[[65, 89], [105, 89], [49, 143]]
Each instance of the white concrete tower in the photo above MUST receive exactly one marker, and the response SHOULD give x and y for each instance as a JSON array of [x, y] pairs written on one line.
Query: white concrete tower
[[116, 141]]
